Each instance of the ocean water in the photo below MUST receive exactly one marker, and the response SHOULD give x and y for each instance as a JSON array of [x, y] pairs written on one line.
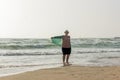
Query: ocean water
[[21, 55]]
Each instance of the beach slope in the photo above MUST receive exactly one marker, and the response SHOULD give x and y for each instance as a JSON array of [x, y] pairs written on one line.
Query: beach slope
[[69, 73]]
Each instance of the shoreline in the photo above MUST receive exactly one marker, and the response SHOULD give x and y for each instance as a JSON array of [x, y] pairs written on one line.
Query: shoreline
[[28, 70], [73, 72]]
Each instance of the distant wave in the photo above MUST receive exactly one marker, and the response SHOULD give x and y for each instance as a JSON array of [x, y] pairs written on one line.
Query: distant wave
[[15, 44], [76, 51], [96, 43], [27, 54], [99, 51], [26, 46]]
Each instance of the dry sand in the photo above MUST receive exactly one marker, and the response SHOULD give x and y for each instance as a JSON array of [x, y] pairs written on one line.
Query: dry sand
[[69, 73]]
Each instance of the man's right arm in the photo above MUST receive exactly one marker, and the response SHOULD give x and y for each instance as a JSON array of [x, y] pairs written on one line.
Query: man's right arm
[[58, 36]]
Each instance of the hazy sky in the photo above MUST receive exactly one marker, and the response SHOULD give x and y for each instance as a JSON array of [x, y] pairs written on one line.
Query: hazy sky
[[46, 18]]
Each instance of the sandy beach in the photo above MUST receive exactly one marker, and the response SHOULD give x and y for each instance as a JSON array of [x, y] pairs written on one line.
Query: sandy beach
[[69, 73]]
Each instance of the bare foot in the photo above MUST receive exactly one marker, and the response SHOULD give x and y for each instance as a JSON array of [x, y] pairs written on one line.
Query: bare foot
[[68, 64], [64, 64]]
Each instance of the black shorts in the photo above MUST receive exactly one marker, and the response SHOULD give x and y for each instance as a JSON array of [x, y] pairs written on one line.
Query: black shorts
[[66, 51]]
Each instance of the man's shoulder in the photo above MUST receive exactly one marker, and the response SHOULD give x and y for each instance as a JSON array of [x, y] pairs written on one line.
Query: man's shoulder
[[69, 36], [66, 36]]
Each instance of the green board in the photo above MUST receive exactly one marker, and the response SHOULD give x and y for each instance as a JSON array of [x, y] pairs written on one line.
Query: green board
[[57, 40]]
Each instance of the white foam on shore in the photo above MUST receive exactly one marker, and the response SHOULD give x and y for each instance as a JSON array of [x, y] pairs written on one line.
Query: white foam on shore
[[14, 71]]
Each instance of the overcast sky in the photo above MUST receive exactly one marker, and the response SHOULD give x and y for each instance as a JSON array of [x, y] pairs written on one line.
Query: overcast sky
[[46, 18]]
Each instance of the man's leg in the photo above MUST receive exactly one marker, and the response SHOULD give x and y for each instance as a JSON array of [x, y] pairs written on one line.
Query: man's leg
[[63, 60], [67, 60]]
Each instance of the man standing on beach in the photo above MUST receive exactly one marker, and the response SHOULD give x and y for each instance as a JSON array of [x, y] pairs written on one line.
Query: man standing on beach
[[66, 48]]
